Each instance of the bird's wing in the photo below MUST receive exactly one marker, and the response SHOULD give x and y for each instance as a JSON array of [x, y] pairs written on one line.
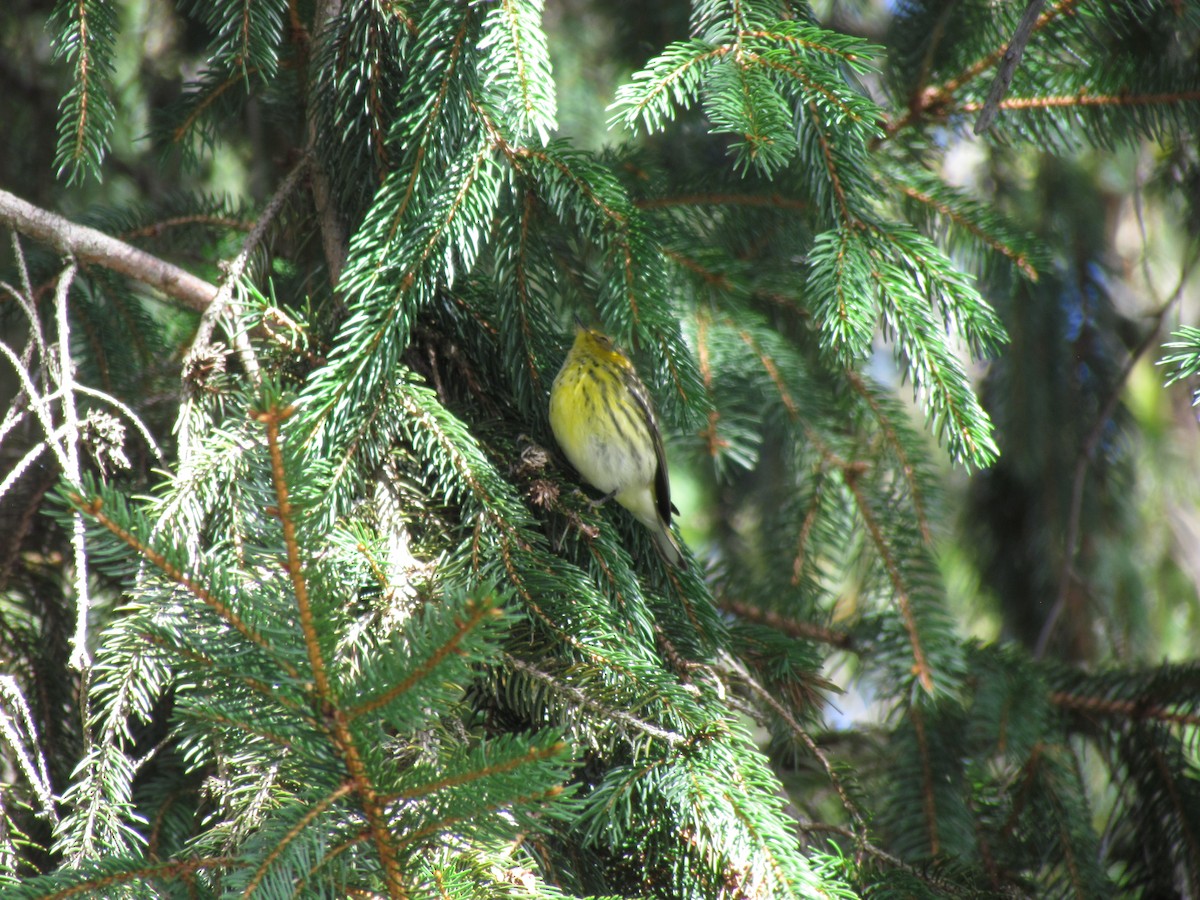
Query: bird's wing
[[662, 480]]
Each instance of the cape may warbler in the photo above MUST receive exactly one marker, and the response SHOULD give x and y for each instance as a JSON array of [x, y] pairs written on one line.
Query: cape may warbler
[[601, 416]]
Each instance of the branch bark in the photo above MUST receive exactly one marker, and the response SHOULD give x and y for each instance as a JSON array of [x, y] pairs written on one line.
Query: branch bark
[[1012, 59], [333, 231], [88, 245]]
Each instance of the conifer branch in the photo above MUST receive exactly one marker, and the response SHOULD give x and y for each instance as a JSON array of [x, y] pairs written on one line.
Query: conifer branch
[[1032, 785], [423, 421], [1020, 260], [223, 671], [848, 221], [301, 889], [210, 96], [245, 50], [765, 696], [928, 799], [782, 36], [272, 418], [310, 815], [907, 468], [364, 427], [944, 887], [518, 582], [477, 614], [606, 711], [796, 628], [1086, 99], [83, 65], [93, 508], [674, 368], [161, 226], [503, 767], [419, 834], [811, 86], [84, 35], [452, 62], [605, 569], [248, 729], [1128, 709], [785, 396], [528, 103], [328, 856], [778, 201], [717, 280], [102, 884], [937, 371], [373, 808], [938, 99], [365, 354], [920, 662], [617, 221], [670, 81], [381, 577]]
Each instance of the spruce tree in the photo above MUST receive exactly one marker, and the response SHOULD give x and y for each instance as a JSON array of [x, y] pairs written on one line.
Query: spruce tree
[[300, 598]]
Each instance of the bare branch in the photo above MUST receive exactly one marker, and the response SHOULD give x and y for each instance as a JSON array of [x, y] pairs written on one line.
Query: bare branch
[[91, 246], [333, 231], [233, 272], [1012, 59]]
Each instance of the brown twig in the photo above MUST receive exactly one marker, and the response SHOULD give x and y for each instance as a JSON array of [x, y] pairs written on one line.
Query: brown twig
[[923, 873], [1085, 99], [791, 627], [921, 667], [1129, 709], [337, 720], [607, 712], [736, 667], [928, 800]]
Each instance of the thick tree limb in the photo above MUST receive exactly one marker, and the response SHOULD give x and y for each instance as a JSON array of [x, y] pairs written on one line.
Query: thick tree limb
[[91, 246]]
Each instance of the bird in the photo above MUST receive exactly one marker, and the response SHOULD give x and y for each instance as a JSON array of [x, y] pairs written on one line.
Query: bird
[[602, 418]]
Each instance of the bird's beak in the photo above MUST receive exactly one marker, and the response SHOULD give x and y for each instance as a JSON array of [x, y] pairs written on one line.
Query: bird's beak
[[579, 326]]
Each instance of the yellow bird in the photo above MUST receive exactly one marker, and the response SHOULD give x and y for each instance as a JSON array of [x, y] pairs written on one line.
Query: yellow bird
[[602, 418]]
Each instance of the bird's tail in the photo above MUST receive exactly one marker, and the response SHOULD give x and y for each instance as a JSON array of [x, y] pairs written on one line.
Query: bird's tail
[[668, 546]]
